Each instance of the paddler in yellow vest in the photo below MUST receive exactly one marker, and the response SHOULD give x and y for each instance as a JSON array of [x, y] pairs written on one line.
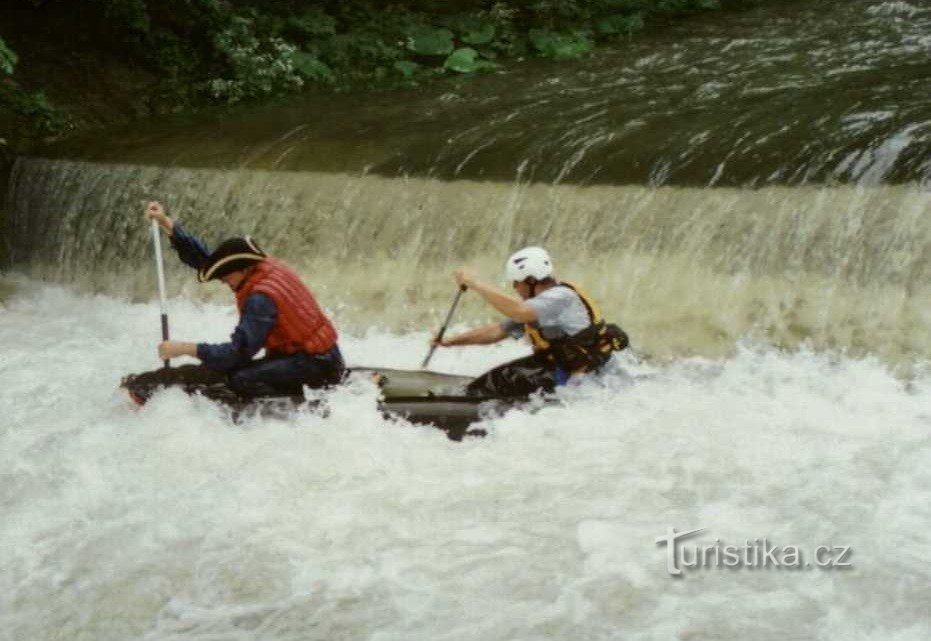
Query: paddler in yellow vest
[[565, 327]]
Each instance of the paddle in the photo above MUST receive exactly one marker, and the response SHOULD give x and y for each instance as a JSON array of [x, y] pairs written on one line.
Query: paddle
[[157, 242], [439, 336]]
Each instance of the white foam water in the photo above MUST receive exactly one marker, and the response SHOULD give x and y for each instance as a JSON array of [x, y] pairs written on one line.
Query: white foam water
[[171, 522]]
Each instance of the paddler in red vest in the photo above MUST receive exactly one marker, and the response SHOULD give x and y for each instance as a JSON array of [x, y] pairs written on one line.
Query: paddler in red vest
[[276, 312]]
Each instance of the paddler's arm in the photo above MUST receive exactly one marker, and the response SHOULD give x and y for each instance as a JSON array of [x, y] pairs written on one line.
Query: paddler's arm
[[192, 251], [484, 335], [511, 306], [173, 349], [258, 317]]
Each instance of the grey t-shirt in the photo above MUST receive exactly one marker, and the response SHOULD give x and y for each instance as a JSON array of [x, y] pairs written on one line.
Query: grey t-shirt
[[560, 313]]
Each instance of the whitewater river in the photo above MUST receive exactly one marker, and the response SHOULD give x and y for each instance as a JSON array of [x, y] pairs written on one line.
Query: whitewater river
[[172, 522], [747, 195]]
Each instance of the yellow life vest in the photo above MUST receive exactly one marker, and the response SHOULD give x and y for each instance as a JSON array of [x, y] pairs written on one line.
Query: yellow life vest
[[584, 351]]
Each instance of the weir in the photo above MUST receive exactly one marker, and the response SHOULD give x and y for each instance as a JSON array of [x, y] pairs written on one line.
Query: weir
[[685, 270]]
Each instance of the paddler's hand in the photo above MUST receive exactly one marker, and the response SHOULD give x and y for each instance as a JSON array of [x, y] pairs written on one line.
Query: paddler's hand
[[434, 342], [464, 277], [155, 211], [173, 349]]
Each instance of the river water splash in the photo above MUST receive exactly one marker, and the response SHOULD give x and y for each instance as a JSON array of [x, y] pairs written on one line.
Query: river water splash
[[171, 522], [684, 270]]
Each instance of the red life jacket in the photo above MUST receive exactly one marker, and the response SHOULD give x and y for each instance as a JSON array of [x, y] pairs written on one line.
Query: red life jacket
[[301, 325]]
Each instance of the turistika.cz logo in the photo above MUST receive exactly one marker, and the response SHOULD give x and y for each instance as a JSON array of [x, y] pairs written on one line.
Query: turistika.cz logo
[[756, 553]]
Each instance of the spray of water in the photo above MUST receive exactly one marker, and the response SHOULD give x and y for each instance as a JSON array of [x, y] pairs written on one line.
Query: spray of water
[[172, 522], [685, 271]]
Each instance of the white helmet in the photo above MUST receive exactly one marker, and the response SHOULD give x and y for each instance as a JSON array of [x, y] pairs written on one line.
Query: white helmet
[[530, 262]]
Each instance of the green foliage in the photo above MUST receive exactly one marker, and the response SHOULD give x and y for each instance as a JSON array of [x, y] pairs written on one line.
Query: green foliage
[[674, 6], [8, 59], [619, 24], [560, 46], [620, 6], [407, 68], [312, 24], [174, 58], [470, 29], [309, 67], [510, 38], [258, 66], [481, 35], [358, 56], [48, 118], [40, 116], [467, 60], [366, 45], [430, 41], [131, 15], [554, 10], [43, 118]]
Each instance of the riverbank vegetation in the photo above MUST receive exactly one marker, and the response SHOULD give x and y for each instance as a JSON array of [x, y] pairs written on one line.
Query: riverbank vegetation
[[73, 65]]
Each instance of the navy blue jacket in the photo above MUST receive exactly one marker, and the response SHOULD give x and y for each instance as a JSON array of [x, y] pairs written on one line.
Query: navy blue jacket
[[256, 321]]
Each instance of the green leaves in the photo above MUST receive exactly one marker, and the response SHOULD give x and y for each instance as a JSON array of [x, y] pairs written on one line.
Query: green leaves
[[619, 24], [467, 60], [673, 6], [8, 59], [407, 68], [258, 66], [313, 23], [471, 29], [431, 41], [560, 46], [133, 15], [480, 35], [311, 68], [44, 118]]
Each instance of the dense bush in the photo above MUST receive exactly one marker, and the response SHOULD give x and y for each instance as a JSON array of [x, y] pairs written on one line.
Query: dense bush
[[33, 108], [8, 59], [257, 66], [231, 50]]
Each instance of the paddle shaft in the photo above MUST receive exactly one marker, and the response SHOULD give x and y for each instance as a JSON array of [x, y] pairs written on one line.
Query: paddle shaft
[[160, 270], [439, 336]]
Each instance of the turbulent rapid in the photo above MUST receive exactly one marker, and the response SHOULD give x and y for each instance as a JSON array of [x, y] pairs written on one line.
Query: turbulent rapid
[[746, 194], [172, 522]]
